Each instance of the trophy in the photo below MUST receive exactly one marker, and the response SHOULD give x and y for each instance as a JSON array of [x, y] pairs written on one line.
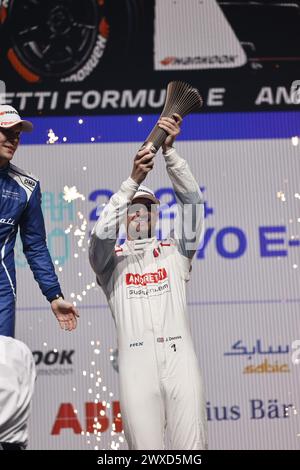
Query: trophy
[[181, 99]]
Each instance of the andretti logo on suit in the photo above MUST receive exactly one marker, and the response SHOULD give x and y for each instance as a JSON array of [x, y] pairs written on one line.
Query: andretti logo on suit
[[148, 284]]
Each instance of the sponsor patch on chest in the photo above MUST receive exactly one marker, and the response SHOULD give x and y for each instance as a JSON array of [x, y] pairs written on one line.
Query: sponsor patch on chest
[[147, 284], [7, 194]]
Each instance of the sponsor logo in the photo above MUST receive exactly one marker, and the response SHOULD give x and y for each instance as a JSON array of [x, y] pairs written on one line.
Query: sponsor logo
[[8, 112], [30, 183], [266, 367], [96, 419], [9, 221], [6, 194], [214, 59], [92, 62], [147, 278], [75, 100], [148, 284], [54, 362], [257, 409], [263, 365], [134, 345]]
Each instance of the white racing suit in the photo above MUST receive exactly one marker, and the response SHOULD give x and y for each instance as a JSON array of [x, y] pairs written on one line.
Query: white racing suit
[[17, 379], [145, 285]]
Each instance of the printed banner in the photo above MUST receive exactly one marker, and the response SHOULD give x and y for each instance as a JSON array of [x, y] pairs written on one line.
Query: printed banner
[[108, 56]]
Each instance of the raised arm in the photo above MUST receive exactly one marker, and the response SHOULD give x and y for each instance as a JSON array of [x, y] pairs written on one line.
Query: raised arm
[[106, 229], [105, 232], [190, 217]]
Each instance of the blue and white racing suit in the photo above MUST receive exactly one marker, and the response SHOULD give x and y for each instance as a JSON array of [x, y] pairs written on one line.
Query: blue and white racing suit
[[20, 206]]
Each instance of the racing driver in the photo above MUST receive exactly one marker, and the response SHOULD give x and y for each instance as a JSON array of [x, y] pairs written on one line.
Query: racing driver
[[20, 206], [144, 281]]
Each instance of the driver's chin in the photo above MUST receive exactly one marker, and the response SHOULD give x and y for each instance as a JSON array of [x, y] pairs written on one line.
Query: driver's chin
[[140, 230], [6, 157]]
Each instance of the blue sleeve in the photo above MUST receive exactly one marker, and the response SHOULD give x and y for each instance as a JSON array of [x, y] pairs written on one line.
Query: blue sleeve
[[33, 235]]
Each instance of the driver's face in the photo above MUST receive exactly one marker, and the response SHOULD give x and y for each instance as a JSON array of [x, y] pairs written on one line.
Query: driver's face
[[141, 219], [9, 141]]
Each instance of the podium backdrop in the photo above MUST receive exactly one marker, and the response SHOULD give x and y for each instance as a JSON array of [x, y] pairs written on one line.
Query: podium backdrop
[[243, 297]]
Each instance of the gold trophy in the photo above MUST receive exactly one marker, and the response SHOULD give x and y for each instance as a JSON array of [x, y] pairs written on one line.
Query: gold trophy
[[181, 99]]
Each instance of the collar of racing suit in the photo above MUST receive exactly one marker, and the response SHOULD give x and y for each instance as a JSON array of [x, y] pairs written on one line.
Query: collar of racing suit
[[4, 171], [141, 245]]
